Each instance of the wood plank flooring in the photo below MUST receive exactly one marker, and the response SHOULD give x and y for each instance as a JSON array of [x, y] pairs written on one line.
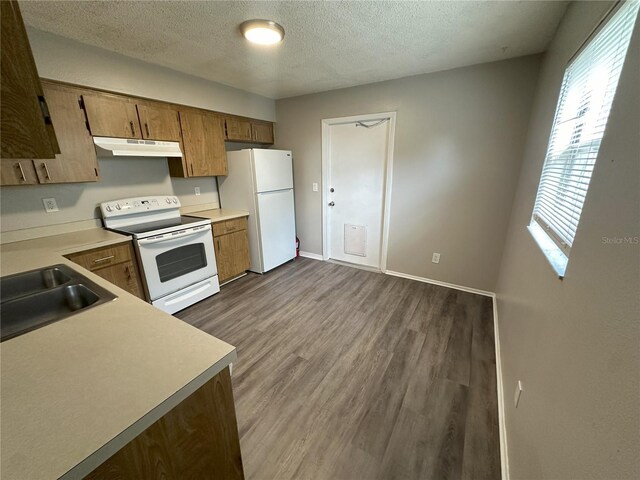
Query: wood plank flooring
[[349, 374]]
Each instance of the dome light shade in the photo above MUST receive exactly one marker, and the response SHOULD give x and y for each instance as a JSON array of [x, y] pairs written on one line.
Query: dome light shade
[[262, 32]]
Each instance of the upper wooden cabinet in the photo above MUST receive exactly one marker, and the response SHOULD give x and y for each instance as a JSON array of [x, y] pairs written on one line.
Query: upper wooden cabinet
[[111, 116], [202, 146], [262, 132], [26, 130], [125, 117], [77, 161], [239, 129], [159, 122]]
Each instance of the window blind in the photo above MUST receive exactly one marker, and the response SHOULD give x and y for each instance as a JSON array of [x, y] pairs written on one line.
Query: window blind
[[586, 95]]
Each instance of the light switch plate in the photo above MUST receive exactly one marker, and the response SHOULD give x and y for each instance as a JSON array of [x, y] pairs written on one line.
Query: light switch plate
[[315, 186], [197, 189], [435, 258], [516, 398], [50, 205]]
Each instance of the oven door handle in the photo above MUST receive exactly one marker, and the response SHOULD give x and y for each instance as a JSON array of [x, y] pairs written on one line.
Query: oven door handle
[[172, 236]]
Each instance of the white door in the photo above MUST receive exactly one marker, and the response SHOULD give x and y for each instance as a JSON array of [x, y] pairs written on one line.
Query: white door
[[277, 224], [355, 191], [272, 169]]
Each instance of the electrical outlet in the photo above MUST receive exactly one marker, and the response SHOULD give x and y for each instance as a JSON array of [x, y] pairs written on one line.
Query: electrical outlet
[[50, 205], [435, 258], [315, 186], [197, 189], [516, 398]]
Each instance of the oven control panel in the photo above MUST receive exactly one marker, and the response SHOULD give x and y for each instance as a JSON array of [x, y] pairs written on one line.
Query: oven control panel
[[128, 206]]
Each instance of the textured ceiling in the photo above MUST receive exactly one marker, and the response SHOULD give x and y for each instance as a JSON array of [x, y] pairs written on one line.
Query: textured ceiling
[[327, 45]]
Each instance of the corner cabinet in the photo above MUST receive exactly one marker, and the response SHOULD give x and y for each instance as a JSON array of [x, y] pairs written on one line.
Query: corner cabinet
[[203, 149], [26, 130], [76, 161], [231, 245]]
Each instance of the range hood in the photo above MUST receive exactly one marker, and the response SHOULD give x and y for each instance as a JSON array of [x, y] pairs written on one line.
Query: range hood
[[123, 147]]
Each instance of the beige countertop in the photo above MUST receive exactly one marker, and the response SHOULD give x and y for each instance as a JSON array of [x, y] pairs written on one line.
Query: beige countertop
[[219, 214], [75, 391]]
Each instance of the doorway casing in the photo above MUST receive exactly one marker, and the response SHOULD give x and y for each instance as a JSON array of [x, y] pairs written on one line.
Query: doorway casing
[[326, 152]]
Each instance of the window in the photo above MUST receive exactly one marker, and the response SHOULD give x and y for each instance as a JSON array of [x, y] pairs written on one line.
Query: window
[[587, 92]]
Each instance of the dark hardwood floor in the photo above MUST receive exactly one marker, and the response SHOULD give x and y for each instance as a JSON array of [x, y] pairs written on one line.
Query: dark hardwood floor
[[344, 373]]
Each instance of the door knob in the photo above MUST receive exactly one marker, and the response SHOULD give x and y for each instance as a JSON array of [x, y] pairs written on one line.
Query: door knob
[[331, 190], [331, 204]]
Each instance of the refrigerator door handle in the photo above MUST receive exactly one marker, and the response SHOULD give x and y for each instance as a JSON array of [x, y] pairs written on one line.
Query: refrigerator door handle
[[274, 191]]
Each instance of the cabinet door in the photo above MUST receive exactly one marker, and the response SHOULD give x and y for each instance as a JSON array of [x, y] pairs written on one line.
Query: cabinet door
[[262, 132], [77, 161], [111, 116], [238, 130], [232, 254], [125, 275], [159, 122], [17, 172], [25, 126], [203, 143]]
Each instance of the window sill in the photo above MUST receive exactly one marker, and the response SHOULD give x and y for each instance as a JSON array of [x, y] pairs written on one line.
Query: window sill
[[556, 257]]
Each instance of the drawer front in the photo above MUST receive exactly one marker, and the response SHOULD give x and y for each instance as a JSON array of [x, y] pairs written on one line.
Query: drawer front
[[229, 226], [103, 257]]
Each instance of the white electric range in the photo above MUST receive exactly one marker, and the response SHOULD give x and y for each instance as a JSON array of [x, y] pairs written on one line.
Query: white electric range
[[175, 251]]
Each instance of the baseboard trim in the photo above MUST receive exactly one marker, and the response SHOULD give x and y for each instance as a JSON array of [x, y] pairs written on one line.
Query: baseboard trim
[[502, 427], [315, 256], [442, 284]]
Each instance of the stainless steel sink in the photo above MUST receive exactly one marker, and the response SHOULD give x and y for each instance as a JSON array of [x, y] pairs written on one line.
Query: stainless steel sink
[[33, 299], [34, 281]]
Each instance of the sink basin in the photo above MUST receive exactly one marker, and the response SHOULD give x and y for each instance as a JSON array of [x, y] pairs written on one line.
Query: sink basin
[[31, 300], [34, 281]]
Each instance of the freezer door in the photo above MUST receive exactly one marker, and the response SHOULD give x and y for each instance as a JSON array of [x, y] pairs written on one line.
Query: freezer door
[[277, 225], [272, 170]]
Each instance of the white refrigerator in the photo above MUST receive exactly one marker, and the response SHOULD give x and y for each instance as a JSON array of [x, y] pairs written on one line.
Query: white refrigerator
[[261, 182]]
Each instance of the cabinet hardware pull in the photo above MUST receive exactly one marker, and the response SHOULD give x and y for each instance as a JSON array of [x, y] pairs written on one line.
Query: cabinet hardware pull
[[23, 178], [191, 169], [146, 127], [103, 259], [133, 131], [46, 170]]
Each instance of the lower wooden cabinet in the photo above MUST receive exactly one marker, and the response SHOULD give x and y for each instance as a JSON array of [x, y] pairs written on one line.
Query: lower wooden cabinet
[[198, 439], [116, 264], [231, 244]]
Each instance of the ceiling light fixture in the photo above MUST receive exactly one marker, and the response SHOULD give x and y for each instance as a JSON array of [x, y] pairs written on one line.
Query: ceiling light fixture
[[263, 32]]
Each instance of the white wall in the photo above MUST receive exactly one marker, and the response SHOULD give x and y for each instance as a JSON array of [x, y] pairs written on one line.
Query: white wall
[[575, 343], [59, 58], [458, 148], [21, 206], [67, 60]]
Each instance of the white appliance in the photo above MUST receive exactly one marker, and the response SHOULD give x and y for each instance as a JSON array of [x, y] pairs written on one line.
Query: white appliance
[[175, 251], [126, 147], [261, 181]]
